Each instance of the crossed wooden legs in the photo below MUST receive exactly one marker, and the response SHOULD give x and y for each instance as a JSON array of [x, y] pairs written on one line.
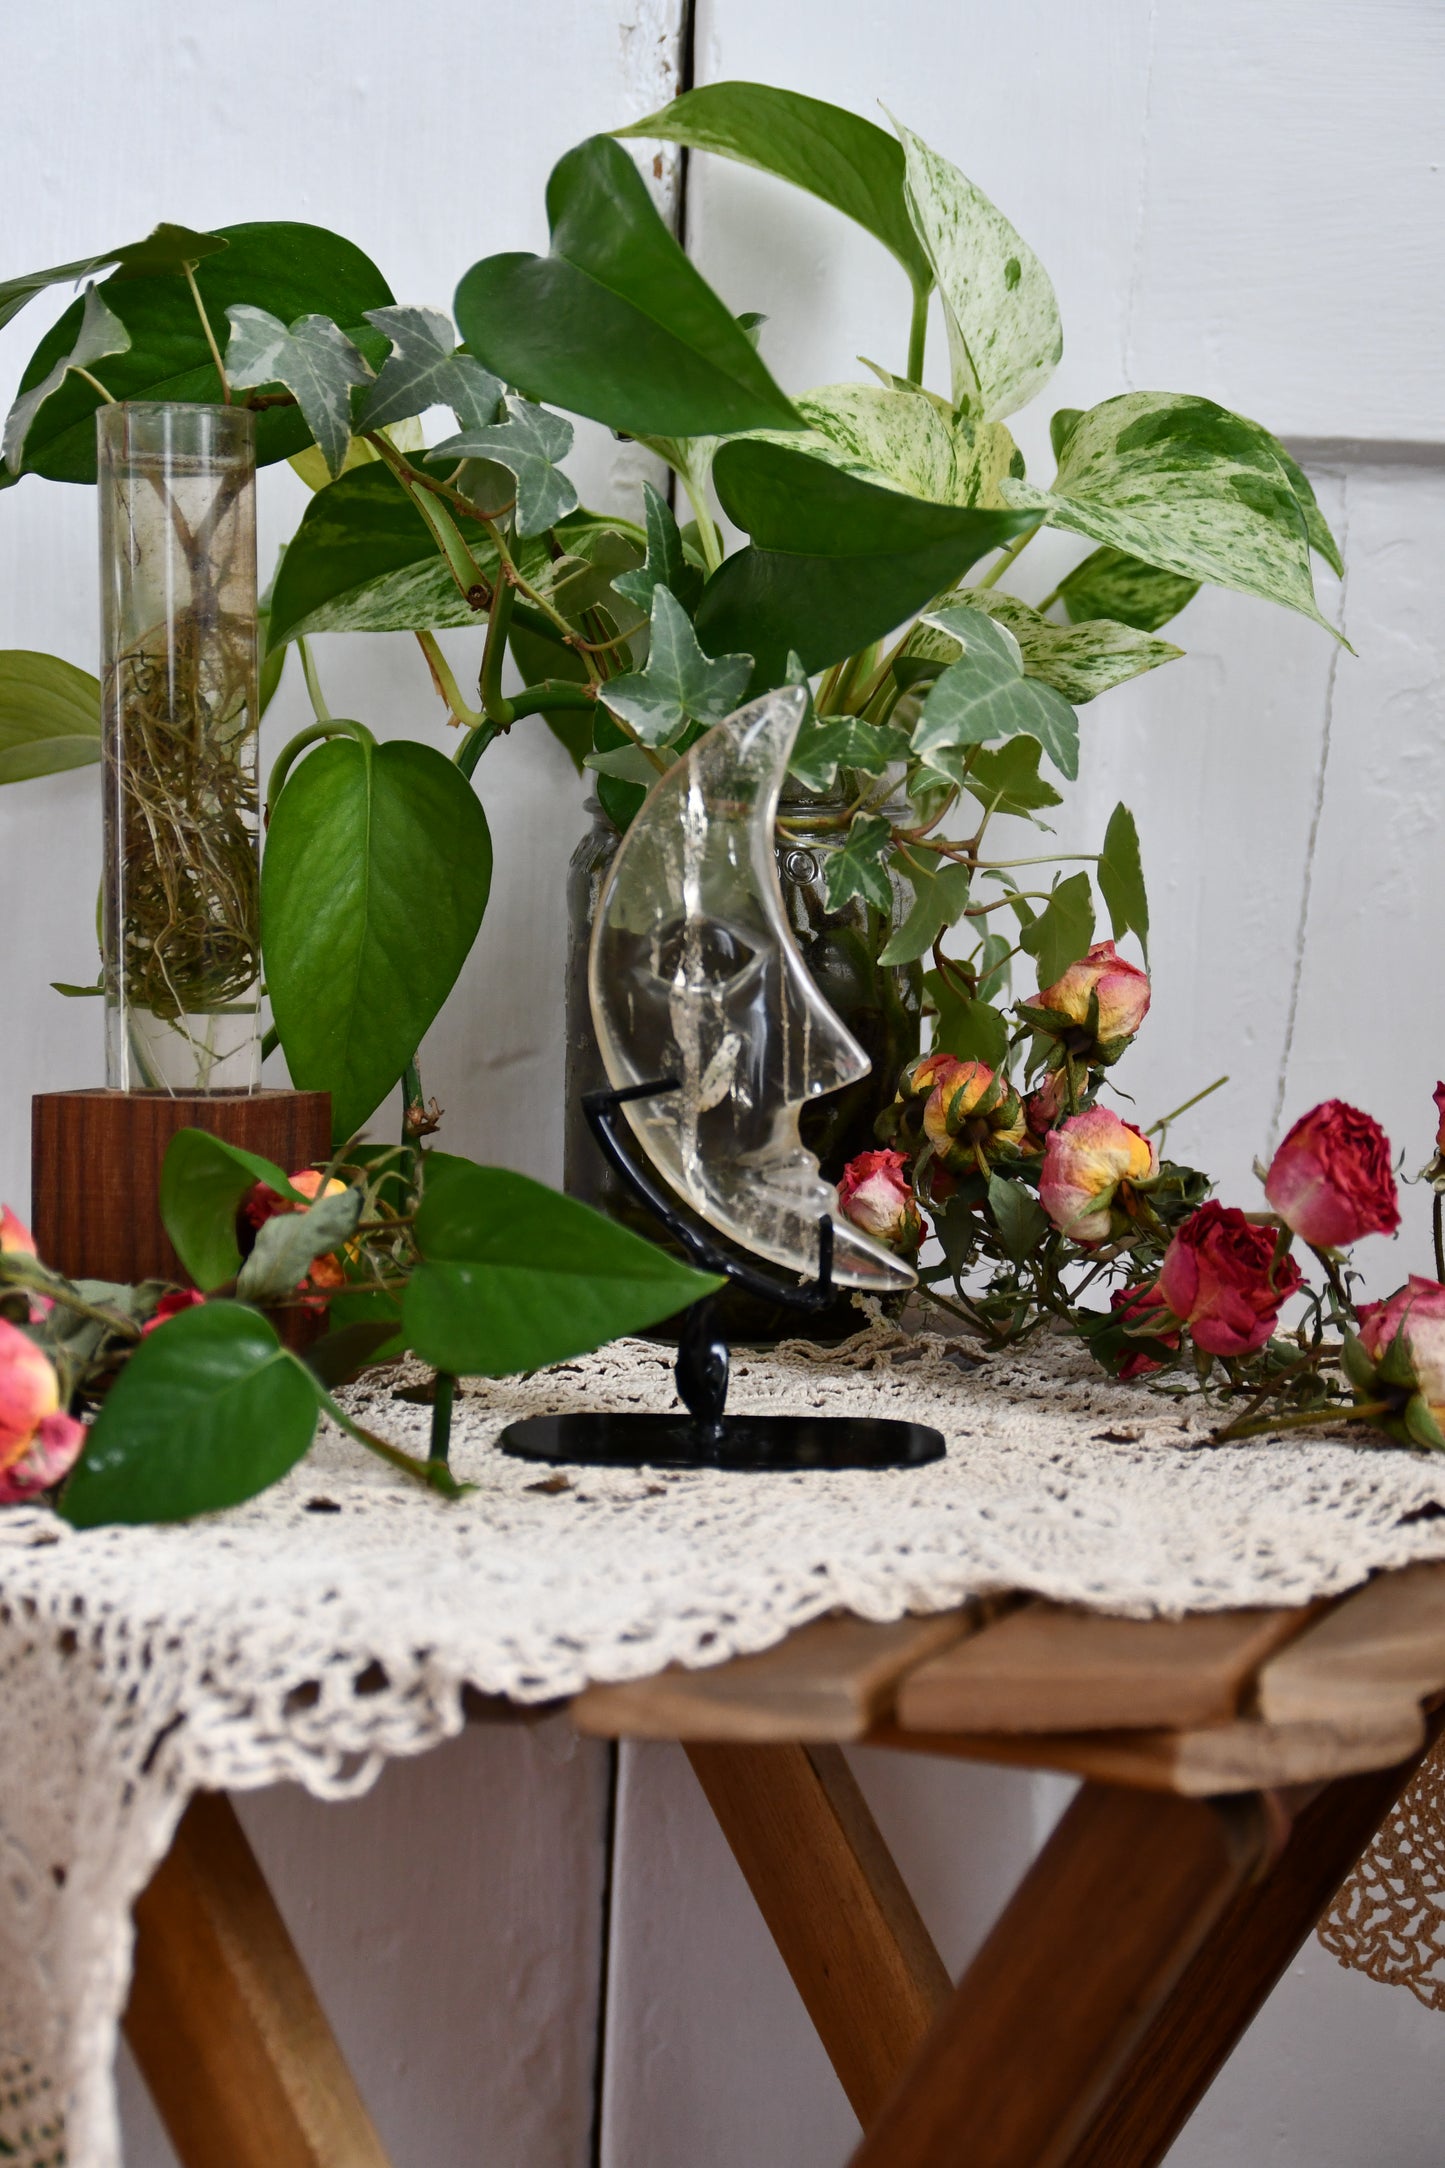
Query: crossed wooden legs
[[1129, 1962]]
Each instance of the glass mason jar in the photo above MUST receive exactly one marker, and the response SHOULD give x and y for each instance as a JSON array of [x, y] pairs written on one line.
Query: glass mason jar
[[881, 1005], [181, 896]]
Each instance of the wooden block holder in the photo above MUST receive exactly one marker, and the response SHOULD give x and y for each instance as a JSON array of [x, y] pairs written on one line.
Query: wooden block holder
[[95, 1168]]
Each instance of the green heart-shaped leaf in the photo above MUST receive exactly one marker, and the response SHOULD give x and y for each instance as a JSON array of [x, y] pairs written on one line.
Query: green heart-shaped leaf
[[209, 1410], [835, 155], [288, 270], [836, 562], [49, 715], [203, 1182], [375, 877], [616, 322], [515, 1276]]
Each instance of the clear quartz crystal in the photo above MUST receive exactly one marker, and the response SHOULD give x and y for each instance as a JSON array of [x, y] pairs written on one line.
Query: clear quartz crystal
[[180, 907], [694, 973]]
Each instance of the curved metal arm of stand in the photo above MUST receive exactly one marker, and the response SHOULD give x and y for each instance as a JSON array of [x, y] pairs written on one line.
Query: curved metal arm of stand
[[602, 1110]]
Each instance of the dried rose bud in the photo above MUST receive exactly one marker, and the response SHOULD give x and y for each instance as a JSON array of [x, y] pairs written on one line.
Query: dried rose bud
[[974, 1117], [875, 1195], [1093, 1164], [1096, 1007]]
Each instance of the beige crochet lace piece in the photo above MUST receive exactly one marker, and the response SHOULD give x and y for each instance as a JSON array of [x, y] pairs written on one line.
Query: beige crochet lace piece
[[336, 1620]]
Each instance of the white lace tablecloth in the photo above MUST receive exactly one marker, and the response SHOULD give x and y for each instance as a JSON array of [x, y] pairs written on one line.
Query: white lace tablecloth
[[336, 1620]]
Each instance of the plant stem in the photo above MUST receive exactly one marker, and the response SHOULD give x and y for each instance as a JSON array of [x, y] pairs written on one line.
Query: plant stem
[[918, 333], [210, 335], [1165, 1119], [338, 726], [270, 1040], [494, 651], [1439, 1232], [413, 1107], [709, 539], [94, 383], [313, 683], [1010, 556], [434, 1474], [441, 1417], [445, 682], [1049, 600], [1363, 1412]]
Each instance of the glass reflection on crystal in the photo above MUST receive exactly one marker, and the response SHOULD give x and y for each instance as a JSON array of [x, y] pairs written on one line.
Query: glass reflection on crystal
[[694, 974]]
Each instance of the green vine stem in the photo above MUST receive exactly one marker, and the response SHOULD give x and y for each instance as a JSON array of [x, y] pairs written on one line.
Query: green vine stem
[[444, 1396], [334, 726], [313, 682], [445, 683], [494, 705], [918, 333], [432, 1474], [1010, 556], [190, 271]]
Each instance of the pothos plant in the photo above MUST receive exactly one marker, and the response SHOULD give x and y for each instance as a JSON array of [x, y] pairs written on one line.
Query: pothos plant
[[864, 508]]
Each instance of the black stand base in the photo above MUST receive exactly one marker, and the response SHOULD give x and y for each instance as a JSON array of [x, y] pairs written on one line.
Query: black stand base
[[776, 1442]]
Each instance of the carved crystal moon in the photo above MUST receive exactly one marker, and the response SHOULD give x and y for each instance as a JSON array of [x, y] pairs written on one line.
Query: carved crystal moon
[[694, 973]]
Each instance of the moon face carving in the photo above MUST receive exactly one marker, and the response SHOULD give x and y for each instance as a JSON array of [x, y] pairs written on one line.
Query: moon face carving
[[694, 973]]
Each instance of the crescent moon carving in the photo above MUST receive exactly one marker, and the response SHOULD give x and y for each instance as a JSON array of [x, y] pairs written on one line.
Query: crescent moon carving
[[693, 972]]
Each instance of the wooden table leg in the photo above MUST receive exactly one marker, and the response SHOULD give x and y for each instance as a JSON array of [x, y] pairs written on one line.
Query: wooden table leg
[[224, 2022], [835, 1903], [1059, 1997], [1227, 1983]]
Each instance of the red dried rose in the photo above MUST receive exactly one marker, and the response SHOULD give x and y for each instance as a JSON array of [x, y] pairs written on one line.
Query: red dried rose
[[1331, 1180], [1220, 1279], [875, 1195]]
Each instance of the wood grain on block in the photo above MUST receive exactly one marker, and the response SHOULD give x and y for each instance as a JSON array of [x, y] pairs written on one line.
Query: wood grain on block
[[96, 1168], [1385, 1643], [225, 2024], [1050, 1667], [835, 1904], [829, 1680], [1240, 1756], [1050, 2011]]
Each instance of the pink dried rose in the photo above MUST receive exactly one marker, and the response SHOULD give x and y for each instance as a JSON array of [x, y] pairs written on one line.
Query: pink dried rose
[[1047, 1106], [973, 1117], [1092, 1164], [39, 1442], [171, 1305], [1415, 1315], [1439, 1097], [1222, 1281], [1331, 1180], [1103, 997], [876, 1196]]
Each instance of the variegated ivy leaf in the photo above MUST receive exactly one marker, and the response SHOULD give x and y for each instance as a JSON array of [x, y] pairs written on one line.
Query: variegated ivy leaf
[[101, 333], [1185, 485], [165, 248], [985, 695], [846, 741], [425, 369], [667, 563], [1004, 336], [857, 867], [528, 443], [315, 361], [680, 684], [906, 440], [940, 898], [1079, 661]]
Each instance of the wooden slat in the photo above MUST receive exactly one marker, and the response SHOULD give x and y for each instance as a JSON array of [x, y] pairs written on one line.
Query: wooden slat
[[1229, 1979], [835, 1904], [1063, 1990], [1242, 1756], [827, 1681], [1051, 1667], [1384, 1643], [224, 2022]]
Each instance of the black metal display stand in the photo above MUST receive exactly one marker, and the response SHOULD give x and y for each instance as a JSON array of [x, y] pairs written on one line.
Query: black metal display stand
[[705, 1436]]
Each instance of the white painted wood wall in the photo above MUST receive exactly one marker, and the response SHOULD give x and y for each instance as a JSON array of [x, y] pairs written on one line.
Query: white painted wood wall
[[1235, 200]]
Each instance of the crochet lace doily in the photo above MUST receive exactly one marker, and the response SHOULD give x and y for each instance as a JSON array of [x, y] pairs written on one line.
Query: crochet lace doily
[[336, 1620]]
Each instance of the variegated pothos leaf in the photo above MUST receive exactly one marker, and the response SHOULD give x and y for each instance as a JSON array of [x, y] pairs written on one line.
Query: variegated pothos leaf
[[1185, 485], [906, 440], [1004, 335], [1079, 661]]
